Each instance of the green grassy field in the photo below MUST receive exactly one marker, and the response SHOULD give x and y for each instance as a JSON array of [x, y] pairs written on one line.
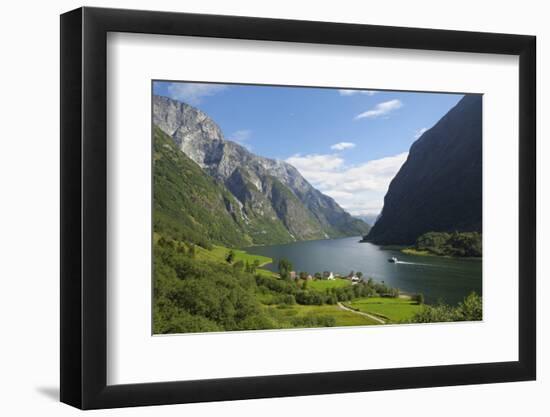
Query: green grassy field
[[322, 285], [284, 315], [219, 253], [393, 309]]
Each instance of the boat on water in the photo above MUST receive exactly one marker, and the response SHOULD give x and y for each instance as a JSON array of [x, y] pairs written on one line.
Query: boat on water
[[392, 260]]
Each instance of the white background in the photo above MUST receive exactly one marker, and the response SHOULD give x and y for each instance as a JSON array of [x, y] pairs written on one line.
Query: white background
[[133, 60], [29, 174]]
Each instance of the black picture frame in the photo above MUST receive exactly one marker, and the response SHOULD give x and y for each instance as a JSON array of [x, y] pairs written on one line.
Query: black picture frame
[[84, 207]]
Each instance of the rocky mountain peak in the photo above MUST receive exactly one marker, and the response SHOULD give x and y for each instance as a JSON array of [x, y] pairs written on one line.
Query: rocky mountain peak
[[196, 134], [254, 180]]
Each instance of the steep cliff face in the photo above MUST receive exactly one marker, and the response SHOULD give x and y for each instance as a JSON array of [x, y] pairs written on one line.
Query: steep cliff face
[[192, 130], [439, 187], [275, 199]]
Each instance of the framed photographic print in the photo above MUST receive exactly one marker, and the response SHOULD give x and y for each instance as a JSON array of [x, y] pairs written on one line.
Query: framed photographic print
[[257, 208]]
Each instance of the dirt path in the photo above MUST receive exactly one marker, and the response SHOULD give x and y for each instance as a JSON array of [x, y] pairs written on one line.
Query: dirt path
[[370, 316]]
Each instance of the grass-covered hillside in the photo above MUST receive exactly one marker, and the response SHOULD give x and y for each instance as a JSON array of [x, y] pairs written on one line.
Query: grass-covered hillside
[[188, 204]]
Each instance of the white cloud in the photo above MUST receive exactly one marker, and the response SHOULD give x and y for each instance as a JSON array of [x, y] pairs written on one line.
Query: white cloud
[[193, 93], [241, 137], [342, 145], [359, 189], [420, 132], [381, 109], [356, 92], [316, 166]]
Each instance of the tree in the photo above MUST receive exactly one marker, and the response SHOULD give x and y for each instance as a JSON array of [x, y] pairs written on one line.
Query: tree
[[230, 257], [192, 250], [419, 298], [359, 274], [394, 292], [471, 308], [239, 265], [462, 244], [303, 275], [332, 299], [434, 314], [285, 266]]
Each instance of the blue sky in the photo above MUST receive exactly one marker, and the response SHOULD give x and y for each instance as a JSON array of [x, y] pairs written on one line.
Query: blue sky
[[348, 143]]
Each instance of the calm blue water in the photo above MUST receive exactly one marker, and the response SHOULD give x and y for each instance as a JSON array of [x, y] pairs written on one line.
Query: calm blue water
[[446, 279]]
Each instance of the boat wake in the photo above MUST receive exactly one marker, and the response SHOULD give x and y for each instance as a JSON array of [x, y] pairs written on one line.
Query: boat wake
[[412, 263]]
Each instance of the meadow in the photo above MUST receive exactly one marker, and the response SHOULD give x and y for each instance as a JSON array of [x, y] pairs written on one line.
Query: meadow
[[323, 285], [219, 254], [305, 316], [395, 310]]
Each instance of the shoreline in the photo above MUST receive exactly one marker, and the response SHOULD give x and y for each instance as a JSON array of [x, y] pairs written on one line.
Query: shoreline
[[244, 248], [415, 252]]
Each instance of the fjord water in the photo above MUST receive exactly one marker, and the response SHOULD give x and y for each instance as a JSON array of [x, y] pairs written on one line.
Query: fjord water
[[438, 278]]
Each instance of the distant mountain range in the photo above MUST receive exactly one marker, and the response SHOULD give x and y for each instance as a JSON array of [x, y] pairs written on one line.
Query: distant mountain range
[[207, 187], [439, 187], [370, 219]]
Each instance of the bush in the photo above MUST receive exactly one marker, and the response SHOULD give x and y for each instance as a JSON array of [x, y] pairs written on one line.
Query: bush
[[230, 257], [314, 321], [239, 265], [419, 298], [276, 285], [286, 299], [470, 309], [205, 244], [309, 298]]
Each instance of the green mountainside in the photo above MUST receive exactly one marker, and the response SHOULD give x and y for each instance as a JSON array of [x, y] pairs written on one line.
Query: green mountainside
[[191, 206], [268, 200], [188, 204]]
